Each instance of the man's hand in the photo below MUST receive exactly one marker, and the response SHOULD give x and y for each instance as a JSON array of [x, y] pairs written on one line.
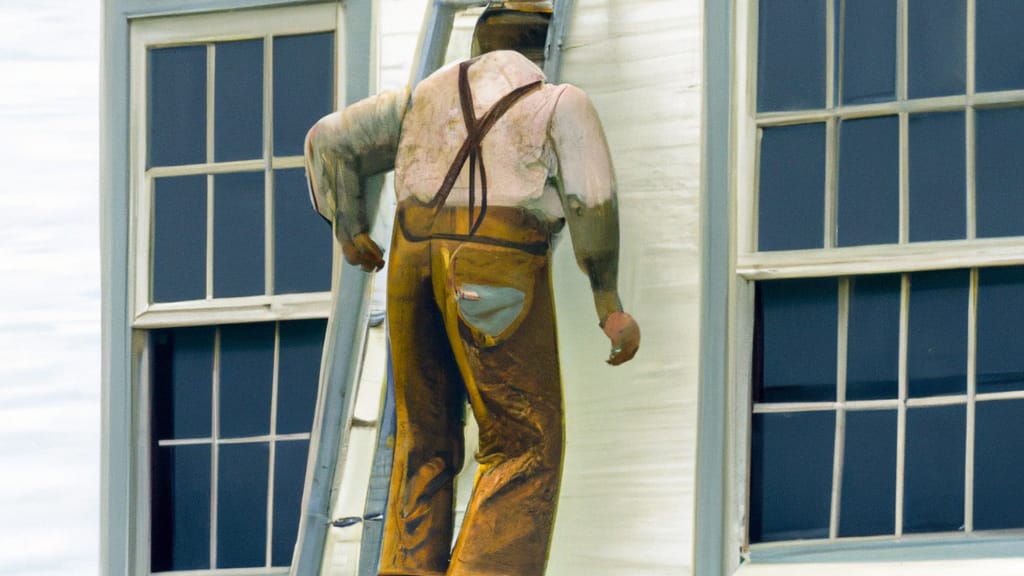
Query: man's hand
[[624, 333], [362, 251]]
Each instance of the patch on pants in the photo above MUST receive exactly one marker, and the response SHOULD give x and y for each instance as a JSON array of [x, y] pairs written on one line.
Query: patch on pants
[[490, 309]]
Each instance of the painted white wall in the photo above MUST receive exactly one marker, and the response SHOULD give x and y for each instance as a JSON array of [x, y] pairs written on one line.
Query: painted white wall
[[627, 499]]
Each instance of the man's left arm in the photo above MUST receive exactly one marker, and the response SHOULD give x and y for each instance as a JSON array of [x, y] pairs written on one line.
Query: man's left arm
[[586, 184]]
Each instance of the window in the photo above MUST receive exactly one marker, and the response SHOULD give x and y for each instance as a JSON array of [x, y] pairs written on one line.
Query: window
[[232, 276], [232, 408], [879, 253]]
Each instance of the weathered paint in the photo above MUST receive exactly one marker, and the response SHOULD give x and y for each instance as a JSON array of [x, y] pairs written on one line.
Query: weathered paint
[[627, 502]]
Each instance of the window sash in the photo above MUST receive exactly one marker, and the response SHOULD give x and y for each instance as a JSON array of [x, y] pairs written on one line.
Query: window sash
[[900, 404], [272, 437], [750, 265], [208, 28], [829, 259]]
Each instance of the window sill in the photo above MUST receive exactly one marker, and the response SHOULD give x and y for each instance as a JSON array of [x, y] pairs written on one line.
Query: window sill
[[990, 555], [880, 259], [988, 567], [231, 310]]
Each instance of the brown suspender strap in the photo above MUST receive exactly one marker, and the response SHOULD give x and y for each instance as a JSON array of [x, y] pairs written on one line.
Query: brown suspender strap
[[471, 148]]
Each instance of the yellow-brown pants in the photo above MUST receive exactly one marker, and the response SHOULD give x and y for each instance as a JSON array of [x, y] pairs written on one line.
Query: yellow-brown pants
[[511, 379]]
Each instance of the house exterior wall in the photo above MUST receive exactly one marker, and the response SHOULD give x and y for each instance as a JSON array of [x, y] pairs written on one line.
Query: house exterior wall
[[627, 503]]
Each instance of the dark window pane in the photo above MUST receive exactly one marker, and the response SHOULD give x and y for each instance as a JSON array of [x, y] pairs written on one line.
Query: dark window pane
[[791, 476], [1000, 46], [933, 499], [302, 344], [180, 509], [1000, 172], [238, 106], [182, 383], [796, 347], [791, 55], [791, 191], [869, 193], [938, 197], [238, 232], [179, 238], [246, 378], [177, 105], [242, 505], [999, 465], [1000, 362], [302, 240], [303, 87], [868, 506], [937, 340], [869, 35], [873, 338], [289, 480], [937, 47]]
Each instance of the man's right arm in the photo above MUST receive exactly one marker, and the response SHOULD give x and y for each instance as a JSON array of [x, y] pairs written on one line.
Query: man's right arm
[[342, 150]]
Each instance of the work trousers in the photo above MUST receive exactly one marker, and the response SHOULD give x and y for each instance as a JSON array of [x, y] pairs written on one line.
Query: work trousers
[[472, 318]]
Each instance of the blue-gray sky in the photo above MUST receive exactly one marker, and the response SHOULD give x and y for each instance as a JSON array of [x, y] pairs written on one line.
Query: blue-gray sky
[[49, 288]]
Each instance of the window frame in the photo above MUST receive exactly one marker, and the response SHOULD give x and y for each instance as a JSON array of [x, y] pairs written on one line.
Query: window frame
[[144, 317], [748, 266]]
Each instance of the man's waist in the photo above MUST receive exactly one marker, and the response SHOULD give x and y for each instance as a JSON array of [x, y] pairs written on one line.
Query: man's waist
[[515, 227]]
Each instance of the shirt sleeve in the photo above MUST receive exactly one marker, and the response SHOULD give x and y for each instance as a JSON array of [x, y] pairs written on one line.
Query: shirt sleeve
[[586, 185], [344, 148], [584, 162]]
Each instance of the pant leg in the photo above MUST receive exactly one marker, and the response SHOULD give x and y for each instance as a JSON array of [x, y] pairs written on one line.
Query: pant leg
[[429, 406], [514, 387]]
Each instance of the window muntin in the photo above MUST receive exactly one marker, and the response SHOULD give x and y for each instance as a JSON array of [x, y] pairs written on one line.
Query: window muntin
[[232, 272], [863, 221]]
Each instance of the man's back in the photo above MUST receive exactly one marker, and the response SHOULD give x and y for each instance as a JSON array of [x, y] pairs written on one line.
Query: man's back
[[517, 154]]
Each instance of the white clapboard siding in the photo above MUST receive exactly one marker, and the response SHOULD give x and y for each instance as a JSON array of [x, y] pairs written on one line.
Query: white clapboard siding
[[627, 495]]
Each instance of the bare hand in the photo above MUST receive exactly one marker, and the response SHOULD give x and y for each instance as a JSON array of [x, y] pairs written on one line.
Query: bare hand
[[624, 333], [362, 251]]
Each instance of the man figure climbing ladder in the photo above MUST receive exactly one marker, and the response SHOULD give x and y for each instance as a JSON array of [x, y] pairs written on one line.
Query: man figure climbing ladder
[[490, 163]]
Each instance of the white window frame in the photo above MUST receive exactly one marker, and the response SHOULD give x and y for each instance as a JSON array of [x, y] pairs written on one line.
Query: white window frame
[[1000, 552], [145, 316]]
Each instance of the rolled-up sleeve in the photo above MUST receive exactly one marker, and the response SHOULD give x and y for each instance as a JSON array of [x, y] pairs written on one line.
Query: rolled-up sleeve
[[584, 162], [586, 184], [344, 148]]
